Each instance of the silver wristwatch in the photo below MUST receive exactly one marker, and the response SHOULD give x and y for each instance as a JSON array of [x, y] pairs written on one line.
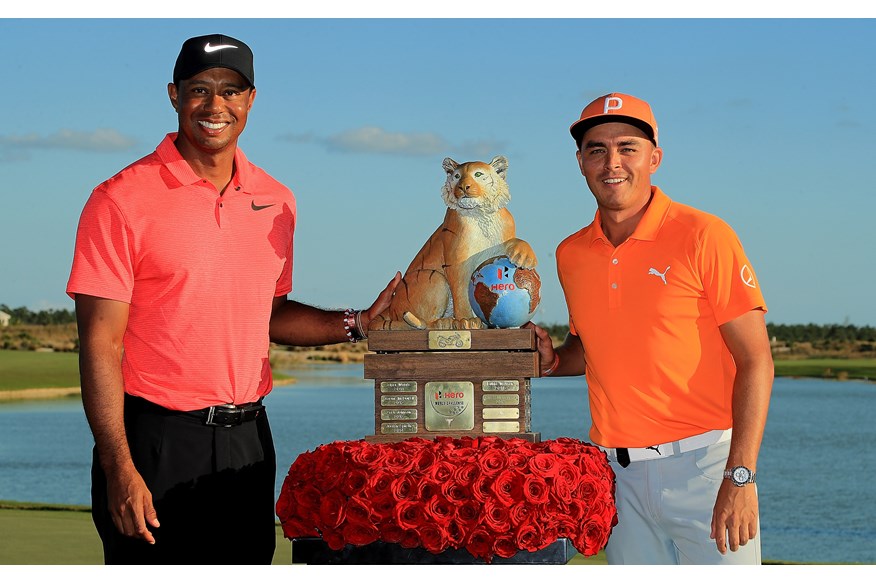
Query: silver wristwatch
[[740, 475]]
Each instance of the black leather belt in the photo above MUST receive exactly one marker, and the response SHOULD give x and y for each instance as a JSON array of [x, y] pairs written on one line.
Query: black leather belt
[[230, 415]]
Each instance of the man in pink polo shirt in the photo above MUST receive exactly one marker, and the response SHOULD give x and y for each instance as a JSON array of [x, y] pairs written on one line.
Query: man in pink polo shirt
[[666, 319], [181, 271]]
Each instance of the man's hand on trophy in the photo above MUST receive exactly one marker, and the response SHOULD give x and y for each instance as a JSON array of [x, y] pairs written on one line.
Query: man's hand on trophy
[[381, 304]]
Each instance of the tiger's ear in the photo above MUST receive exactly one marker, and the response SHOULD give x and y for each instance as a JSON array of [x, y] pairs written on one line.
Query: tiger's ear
[[450, 165], [500, 164]]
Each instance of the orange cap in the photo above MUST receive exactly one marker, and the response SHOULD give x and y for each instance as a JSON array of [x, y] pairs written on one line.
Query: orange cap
[[616, 107]]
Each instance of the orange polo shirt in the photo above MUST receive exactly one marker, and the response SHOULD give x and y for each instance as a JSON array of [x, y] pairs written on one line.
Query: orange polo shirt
[[647, 313], [200, 271]]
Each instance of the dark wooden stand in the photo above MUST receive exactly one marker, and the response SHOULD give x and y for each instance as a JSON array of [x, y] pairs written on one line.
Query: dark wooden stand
[[452, 383]]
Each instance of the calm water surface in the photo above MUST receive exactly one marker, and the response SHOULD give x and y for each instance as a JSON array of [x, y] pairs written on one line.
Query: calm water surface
[[815, 473]]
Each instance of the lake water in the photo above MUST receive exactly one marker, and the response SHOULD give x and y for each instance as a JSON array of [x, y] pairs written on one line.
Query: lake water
[[816, 472]]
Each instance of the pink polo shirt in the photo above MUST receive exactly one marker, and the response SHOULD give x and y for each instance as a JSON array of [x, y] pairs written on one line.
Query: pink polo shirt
[[200, 271]]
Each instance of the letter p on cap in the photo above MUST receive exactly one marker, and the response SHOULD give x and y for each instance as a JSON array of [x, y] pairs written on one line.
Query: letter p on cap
[[612, 102]]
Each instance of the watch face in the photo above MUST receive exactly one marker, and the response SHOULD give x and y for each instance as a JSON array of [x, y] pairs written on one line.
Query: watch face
[[741, 475]]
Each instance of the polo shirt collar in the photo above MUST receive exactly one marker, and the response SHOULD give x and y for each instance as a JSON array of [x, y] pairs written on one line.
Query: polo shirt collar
[[650, 224], [181, 171]]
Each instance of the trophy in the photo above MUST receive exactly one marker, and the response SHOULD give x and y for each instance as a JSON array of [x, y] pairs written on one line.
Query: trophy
[[448, 356]]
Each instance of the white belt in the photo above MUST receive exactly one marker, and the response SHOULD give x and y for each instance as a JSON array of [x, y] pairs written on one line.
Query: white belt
[[672, 448]]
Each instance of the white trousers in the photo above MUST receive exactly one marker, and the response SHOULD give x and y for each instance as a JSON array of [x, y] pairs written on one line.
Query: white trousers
[[665, 511]]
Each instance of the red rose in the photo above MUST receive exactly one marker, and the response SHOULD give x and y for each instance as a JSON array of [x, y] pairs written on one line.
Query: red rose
[[535, 489], [441, 471], [469, 513], [480, 544], [507, 486], [568, 473], [402, 487], [590, 538], [460, 454], [527, 537], [391, 533], [409, 514], [334, 538], [492, 461], [455, 534], [455, 493], [355, 481], [359, 511], [466, 473], [587, 491], [398, 462], [423, 459], [520, 513], [360, 534], [505, 547], [332, 509], [517, 460], [544, 465], [294, 527], [410, 539], [496, 516], [439, 510], [433, 538], [480, 488], [426, 489], [379, 482], [367, 455], [383, 508]]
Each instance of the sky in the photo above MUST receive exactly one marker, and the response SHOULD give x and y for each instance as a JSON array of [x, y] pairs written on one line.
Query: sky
[[766, 122]]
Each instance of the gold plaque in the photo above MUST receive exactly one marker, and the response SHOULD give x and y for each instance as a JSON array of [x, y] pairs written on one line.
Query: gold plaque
[[497, 385], [398, 428], [501, 426], [398, 400], [398, 386], [500, 399], [501, 413], [403, 414], [456, 340], [449, 405]]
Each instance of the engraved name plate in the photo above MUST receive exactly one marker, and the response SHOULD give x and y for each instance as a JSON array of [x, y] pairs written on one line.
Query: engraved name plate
[[398, 428], [404, 414], [501, 413], [500, 385], [398, 400], [449, 405], [454, 340], [398, 386], [500, 399], [501, 426]]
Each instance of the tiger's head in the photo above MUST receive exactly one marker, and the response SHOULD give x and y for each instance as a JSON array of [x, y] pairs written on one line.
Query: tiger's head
[[476, 188]]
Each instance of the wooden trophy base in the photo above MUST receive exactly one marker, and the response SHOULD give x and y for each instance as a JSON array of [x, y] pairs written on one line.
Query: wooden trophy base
[[456, 383]]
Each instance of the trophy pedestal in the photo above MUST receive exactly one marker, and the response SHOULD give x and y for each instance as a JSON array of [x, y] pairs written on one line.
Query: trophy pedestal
[[314, 551], [455, 383]]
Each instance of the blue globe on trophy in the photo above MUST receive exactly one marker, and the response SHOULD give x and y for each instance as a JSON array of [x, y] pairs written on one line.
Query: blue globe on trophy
[[502, 294]]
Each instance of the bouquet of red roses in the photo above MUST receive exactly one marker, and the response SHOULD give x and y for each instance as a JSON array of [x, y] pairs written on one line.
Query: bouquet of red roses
[[487, 495]]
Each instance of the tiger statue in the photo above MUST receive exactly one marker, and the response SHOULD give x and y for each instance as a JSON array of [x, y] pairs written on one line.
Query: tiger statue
[[477, 226]]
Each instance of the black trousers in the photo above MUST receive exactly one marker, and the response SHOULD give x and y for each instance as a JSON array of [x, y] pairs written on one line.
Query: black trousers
[[212, 488]]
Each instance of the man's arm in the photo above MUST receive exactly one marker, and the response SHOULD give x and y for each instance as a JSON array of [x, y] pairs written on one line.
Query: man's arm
[[102, 326], [570, 353], [735, 518], [301, 325]]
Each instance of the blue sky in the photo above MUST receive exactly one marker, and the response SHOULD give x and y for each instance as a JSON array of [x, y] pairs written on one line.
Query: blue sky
[[767, 123]]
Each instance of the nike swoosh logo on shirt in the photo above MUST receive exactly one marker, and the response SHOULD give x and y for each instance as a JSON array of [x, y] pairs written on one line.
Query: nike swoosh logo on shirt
[[211, 49], [260, 207]]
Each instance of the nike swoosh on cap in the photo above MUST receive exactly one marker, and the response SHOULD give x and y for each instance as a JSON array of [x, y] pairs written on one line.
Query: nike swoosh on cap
[[211, 49], [260, 207]]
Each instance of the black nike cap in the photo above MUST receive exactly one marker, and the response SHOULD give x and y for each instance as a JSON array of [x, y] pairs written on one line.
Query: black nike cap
[[213, 50]]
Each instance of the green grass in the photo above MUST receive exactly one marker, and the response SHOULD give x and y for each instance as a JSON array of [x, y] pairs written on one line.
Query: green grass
[[827, 368], [37, 535], [31, 369]]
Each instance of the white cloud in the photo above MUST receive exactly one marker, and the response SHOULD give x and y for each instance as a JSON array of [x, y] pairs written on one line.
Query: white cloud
[[101, 140]]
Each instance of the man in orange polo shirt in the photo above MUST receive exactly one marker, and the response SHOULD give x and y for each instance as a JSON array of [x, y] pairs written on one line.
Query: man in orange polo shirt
[[181, 271], [666, 320]]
